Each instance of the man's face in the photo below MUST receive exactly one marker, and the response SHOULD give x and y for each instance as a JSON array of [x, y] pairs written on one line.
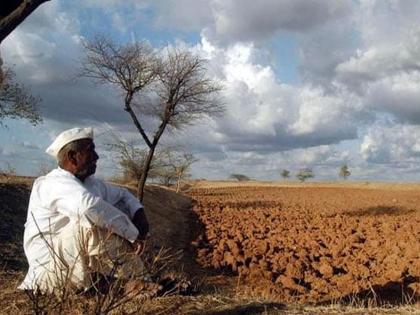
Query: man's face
[[86, 160]]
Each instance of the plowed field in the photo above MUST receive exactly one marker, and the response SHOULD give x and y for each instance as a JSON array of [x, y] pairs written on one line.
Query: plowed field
[[312, 244]]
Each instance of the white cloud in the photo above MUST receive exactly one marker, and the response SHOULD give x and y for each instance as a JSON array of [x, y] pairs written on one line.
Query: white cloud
[[384, 70], [381, 61], [46, 38], [229, 21], [319, 111], [386, 21], [266, 114], [397, 145], [257, 20], [398, 94]]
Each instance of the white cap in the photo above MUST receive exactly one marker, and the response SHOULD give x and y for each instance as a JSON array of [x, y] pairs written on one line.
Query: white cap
[[68, 136]]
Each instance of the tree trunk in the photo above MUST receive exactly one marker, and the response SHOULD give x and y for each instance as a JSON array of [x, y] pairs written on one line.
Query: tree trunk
[[152, 147], [9, 22], [178, 182], [146, 168]]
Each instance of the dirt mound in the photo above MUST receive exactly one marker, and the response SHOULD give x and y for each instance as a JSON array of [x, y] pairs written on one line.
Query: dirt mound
[[170, 217], [313, 244]]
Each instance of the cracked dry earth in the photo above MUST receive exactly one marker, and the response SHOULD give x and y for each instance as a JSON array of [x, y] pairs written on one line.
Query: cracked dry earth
[[312, 244]]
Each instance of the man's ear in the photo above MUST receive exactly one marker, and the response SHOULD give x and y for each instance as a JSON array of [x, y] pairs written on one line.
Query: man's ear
[[71, 156]]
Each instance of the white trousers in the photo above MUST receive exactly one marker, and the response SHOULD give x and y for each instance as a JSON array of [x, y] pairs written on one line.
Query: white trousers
[[79, 252]]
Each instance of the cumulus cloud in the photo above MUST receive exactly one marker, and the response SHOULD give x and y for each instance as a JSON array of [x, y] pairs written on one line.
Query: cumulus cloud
[[379, 62], [384, 69], [398, 94], [229, 21], [266, 114], [392, 144], [385, 21], [256, 20]]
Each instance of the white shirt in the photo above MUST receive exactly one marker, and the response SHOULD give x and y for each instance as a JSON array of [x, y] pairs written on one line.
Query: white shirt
[[59, 199]]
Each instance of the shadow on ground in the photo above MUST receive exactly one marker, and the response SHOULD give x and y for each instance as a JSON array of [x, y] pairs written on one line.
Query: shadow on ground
[[255, 308], [379, 210], [392, 293]]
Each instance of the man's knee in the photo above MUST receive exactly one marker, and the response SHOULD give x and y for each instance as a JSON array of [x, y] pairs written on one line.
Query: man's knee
[[101, 241], [91, 240]]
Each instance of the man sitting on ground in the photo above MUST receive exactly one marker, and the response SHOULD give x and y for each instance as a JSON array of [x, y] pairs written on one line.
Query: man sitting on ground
[[78, 225]]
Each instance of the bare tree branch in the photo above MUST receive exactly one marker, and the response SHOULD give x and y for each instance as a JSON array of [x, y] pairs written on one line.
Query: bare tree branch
[[187, 89], [130, 68]]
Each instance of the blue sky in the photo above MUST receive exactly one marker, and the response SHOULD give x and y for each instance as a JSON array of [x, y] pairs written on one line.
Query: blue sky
[[313, 84]]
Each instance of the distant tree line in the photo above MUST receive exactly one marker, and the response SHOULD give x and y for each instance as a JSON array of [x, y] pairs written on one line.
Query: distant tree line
[[306, 173], [302, 174]]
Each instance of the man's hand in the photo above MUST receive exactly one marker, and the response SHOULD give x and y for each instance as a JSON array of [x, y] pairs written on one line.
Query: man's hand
[[141, 223]]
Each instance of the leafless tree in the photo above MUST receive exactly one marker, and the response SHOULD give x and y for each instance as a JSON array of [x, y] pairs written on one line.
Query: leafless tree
[[15, 99], [175, 83], [174, 166], [14, 12], [131, 160], [170, 164]]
